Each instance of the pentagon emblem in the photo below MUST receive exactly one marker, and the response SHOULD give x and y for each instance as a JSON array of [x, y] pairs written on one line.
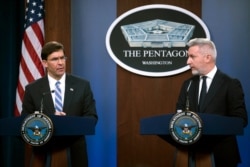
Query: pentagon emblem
[[37, 129], [185, 127]]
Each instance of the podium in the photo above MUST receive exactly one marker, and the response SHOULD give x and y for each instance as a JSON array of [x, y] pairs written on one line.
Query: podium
[[214, 128], [64, 126]]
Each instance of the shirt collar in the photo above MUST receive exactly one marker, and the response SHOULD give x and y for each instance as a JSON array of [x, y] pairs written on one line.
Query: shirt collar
[[211, 74], [53, 81]]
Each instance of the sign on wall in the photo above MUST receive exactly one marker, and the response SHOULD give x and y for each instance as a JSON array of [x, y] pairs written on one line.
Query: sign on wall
[[151, 40]]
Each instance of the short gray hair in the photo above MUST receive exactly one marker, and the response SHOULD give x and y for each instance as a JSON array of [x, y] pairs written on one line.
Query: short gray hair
[[206, 46]]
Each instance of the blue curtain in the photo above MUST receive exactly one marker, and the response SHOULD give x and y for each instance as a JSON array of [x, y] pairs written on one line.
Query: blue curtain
[[12, 18]]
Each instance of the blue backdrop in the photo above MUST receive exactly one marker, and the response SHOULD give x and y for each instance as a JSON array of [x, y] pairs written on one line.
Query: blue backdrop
[[228, 23], [90, 22]]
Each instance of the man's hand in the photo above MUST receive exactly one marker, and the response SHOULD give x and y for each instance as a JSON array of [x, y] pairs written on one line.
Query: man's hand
[[60, 113]]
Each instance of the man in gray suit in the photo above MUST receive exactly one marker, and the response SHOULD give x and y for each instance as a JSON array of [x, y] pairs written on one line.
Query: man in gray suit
[[76, 98], [224, 96]]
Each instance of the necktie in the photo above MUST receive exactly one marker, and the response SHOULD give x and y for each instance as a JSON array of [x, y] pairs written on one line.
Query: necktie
[[58, 97], [203, 92]]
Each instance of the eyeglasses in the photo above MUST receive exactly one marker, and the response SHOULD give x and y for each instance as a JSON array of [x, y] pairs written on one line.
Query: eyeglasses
[[56, 59]]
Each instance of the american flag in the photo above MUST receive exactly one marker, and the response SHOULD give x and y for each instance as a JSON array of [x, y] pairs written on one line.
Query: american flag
[[33, 39]]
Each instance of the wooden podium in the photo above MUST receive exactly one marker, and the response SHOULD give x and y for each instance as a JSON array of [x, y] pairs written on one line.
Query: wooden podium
[[214, 127], [64, 126]]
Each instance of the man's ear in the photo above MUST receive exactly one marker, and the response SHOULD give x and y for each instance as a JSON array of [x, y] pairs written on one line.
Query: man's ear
[[44, 62], [208, 58]]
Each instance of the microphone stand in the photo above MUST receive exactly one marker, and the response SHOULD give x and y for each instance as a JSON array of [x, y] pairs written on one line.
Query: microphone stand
[[45, 93], [187, 97]]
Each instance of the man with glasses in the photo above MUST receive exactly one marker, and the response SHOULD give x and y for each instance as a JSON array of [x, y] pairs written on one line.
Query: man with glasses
[[70, 95]]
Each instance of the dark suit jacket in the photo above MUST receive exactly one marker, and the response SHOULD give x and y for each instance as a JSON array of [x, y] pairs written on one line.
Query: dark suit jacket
[[78, 101], [224, 97]]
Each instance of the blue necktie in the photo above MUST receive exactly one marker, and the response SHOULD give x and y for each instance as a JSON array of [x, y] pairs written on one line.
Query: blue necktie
[[58, 97]]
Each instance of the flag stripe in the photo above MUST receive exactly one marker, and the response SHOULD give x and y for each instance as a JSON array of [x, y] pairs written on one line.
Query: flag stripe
[[39, 31], [30, 67], [31, 60], [25, 71]]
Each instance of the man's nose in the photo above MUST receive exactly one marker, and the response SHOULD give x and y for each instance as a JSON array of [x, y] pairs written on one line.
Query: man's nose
[[60, 61]]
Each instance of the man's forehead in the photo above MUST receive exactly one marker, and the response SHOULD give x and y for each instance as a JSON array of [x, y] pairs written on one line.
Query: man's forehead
[[58, 53]]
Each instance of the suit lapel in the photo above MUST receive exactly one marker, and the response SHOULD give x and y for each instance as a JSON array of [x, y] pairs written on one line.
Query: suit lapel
[[48, 105], [214, 87], [69, 92], [195, 92]]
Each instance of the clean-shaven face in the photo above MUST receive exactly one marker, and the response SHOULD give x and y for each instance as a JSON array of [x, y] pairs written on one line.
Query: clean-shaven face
[[56, 64]]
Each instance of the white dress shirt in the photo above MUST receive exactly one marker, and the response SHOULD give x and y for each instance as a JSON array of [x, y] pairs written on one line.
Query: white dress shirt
[[52, 85]]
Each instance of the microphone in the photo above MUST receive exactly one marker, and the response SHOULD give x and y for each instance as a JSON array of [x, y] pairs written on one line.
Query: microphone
[[44, 93], [187, 97]]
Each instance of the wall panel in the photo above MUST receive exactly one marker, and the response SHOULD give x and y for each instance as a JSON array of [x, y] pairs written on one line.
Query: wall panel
[[58, 24], [139, 97]]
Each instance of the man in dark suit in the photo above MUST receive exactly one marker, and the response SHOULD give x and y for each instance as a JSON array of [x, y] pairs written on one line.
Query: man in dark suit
[[76, 97], [224, 96]]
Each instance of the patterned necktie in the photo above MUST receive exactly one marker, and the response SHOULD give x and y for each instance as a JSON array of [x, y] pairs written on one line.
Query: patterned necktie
[[203, 92], [58, 97]]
